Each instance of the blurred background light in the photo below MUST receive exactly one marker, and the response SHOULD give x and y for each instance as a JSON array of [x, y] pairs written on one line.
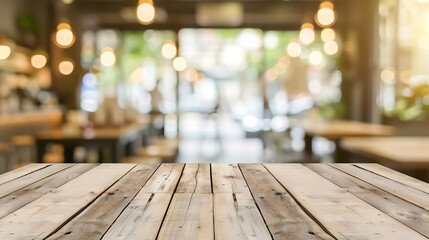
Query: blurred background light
[[107, 57], [66, 67], [38, 60], [330, 47], [64, 37], [325, 16], [328, 34], [145, 12], [294, 49], [169, 49], [307, 34], [179, 64]]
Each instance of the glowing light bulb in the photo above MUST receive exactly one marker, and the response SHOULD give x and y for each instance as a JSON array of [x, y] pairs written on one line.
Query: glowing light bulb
[[325, 16], [328, 34], [169, 49], [316, 58], [179, 64], [307, 34], [330, 47], [146, 12], [5, 52], [107, 57], [388, 75], [294, 49], [66, 67], [38, 61], [64, 37]]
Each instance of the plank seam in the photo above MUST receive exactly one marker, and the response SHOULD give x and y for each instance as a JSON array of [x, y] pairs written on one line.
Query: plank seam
[[306, 211], [256, 204], [368, 202], [107, 230], [87, 205], [363, 168], [27, 174], [169, 203], [15, 190], [378, 186], [45, 193], [213, 205]]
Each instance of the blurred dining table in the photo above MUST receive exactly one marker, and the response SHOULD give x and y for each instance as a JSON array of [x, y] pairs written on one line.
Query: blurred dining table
[[118, 140], [335, 130], [409, 154]]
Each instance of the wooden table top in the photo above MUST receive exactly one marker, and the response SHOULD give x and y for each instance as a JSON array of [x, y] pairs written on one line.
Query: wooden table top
[[406, 152], [212, 201], [341, 128], [95, 133]]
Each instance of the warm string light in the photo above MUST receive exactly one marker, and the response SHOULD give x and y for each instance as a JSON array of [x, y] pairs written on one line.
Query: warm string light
[[145, 12], [325, 16], [39, 60], [64, 37], [179, 64], [307, 34], [66, 67], [169, 49], [5, 49], [107, 57], [294, 49]]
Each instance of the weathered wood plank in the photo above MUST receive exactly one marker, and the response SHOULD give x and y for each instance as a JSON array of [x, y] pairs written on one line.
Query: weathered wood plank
[[341, 213], [284, 217], [395, 176], [164, 179], [40, 218], [22, 197], [227, 178], [409, 194], [189, 217], [414, 217], [96, 219], [195, 179], [28, 179], [237, 217], [142, 219], [9, 176]]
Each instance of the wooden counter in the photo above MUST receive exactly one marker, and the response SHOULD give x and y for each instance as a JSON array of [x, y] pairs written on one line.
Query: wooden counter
[[212, 201]]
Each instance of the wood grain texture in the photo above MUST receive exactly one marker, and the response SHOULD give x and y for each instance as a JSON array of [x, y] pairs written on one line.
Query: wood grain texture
[[189, 217], [341, 213], [284, 217], [16, 184], [409, 194], [237, 217], [195, 179], [412, 216], [43, 216], [164, 179], [142, 219], [96, 219], [22, 197], [227, 178], [395, 176], [17, 173]]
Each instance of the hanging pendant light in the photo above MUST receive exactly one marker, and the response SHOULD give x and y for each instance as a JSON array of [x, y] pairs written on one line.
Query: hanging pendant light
[[39, 59], [5, 48], [325, 16], [307, 34], [64, 37], [145, 12]]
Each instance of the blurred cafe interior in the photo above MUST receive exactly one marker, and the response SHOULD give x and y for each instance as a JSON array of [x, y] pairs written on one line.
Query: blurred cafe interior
[[195, 81]]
